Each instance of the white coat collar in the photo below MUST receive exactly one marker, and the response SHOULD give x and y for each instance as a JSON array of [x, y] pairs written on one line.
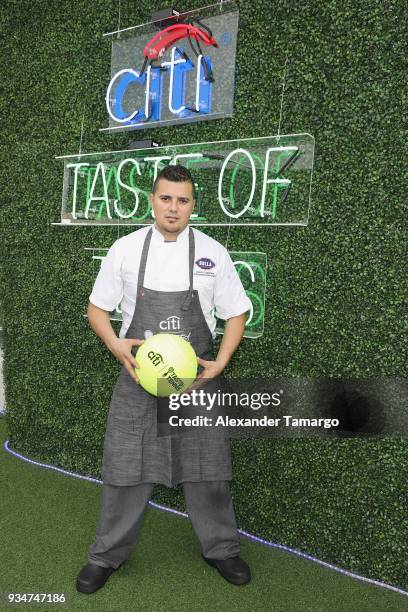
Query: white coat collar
[[158, 237]]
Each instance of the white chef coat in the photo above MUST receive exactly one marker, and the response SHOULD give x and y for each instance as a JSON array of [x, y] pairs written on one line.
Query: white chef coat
[[167, 269]]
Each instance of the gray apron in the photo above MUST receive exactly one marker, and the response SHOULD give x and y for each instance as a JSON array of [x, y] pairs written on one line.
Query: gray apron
[[133, 453]]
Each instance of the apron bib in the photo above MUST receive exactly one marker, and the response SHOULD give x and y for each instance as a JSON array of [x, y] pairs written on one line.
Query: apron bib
[[132, 451]]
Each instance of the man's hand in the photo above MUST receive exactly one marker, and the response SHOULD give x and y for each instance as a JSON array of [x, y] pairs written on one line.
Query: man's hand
[[122, 349], [233, 332], [211, 368]]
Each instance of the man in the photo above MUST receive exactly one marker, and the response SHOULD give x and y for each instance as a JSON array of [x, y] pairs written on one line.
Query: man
[[165, 273]]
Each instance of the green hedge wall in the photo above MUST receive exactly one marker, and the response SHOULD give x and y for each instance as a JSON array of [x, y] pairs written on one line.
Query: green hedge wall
[[335, 301]]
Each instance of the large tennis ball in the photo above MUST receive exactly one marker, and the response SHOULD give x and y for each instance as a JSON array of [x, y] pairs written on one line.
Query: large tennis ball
[[168, 364]]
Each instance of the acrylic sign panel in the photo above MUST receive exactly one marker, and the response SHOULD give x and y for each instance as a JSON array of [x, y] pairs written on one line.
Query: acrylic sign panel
[[178, 72], [251, 267], [254, 181]]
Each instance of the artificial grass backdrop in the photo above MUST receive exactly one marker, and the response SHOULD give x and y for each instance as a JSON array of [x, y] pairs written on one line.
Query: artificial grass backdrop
[[334, 291], [48, 521]]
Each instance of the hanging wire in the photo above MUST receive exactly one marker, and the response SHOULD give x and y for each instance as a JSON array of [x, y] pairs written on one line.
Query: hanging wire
[[118, 18], [228, 233], [82, 133], [282, 94], [119, 1], [279, 125]]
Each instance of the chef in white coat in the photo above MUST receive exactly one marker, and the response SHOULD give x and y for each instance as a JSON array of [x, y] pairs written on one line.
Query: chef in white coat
[[167, 277]]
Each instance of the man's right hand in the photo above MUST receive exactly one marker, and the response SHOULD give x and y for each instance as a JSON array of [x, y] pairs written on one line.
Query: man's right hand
[[122, 349]]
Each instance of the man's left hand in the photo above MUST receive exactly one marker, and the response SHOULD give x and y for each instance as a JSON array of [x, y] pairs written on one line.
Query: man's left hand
[[212, 369]]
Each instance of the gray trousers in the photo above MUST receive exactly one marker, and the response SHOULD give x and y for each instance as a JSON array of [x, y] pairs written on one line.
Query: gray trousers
[[209, 506]]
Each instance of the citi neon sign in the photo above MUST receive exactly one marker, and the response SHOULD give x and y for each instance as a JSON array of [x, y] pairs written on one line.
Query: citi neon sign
[[183, 73], [173, 73]]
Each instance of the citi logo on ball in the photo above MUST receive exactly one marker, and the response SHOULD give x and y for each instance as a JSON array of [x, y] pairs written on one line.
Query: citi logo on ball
[[155, 358], [205, 263]]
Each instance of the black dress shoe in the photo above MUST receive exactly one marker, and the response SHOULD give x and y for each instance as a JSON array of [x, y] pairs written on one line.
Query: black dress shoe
[[92, 577], [234, 570]]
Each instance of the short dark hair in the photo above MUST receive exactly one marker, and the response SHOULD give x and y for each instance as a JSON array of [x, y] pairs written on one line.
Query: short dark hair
[[176, 174]]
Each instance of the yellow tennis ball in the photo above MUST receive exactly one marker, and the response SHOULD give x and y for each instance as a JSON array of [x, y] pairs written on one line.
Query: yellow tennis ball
[[167, 364]]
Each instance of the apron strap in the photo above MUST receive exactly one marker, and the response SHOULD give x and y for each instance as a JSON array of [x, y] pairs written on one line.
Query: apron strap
[[191, 249], [143, 260]]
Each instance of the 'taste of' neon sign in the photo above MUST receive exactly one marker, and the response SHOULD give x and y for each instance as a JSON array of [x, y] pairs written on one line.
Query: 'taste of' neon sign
[[263, 180]]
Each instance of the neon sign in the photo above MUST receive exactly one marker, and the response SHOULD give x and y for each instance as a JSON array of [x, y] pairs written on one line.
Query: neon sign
[[251, 267], [255, 181], [183, 72]]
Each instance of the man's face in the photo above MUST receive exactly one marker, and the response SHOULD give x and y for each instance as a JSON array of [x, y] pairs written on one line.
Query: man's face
[[172, 205]]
